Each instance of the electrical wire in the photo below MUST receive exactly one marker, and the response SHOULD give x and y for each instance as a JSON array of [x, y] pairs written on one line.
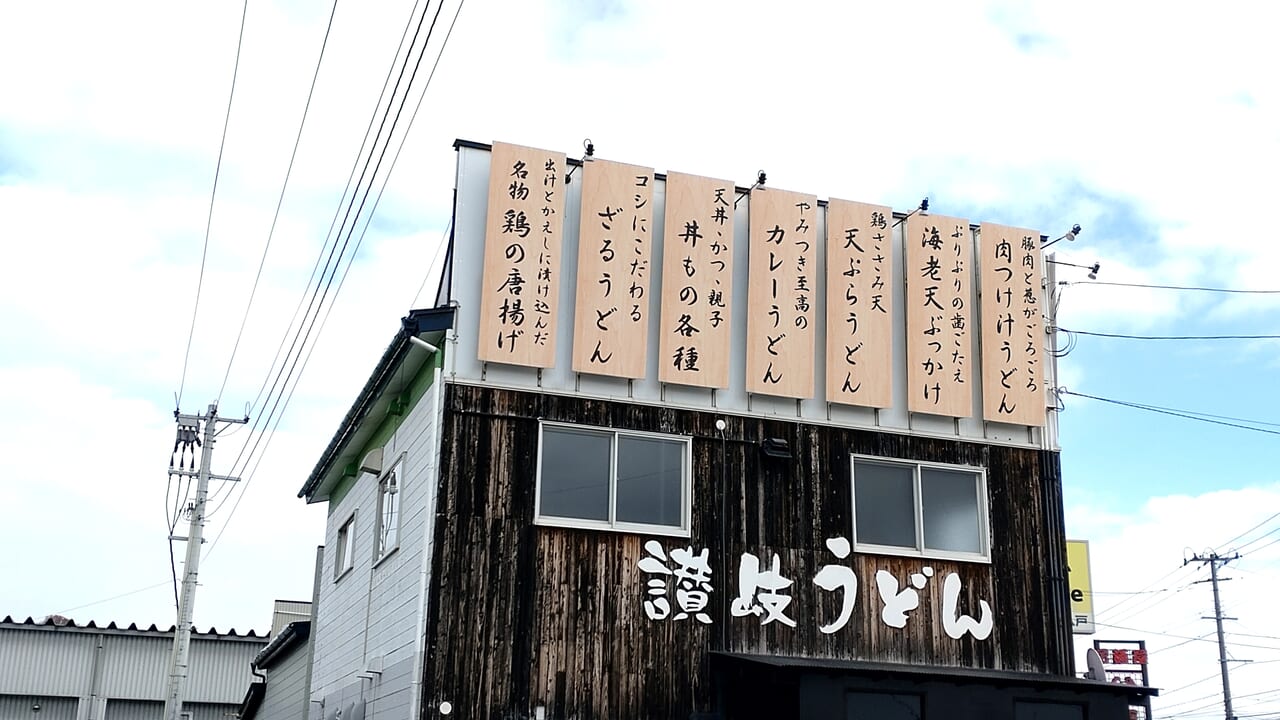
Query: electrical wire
[[1187, 414], [351, 258], [431, 267], [262, 422], [279, 202], [1157, 581], [235, 72], [1176, 287], [1255, 527], [1171, 337], [318, 294], [333, 223], [1264, 547], [113, 597], [1183, 637]]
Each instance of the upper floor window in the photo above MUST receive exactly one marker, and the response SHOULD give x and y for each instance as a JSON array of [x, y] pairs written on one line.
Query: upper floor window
[[387, 535], [924, 509], [344, 550], [613, 479]]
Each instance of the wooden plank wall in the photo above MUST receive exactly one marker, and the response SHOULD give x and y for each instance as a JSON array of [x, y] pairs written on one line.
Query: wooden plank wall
[[524, 615]]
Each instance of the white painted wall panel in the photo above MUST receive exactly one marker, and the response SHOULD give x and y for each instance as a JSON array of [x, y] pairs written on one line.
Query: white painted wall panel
[[370, 615], [285, 696]]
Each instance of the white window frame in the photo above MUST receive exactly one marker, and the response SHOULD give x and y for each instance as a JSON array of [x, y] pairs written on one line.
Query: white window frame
[[984, 501], [344, 558], [613, 524], [380, 549]]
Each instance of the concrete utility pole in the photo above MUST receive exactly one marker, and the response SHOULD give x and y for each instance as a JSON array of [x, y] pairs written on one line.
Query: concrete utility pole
[[1214, 560], [179, 659]]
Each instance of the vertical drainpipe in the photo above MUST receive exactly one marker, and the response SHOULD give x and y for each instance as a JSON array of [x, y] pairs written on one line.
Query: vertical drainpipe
[[315, 632], [424, 572]]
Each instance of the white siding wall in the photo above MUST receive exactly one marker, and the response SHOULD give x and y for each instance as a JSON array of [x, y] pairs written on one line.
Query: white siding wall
[[370, 615], [286, 687]]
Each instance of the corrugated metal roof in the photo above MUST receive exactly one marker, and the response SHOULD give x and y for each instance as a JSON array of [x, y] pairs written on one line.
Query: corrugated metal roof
[[57, 623]]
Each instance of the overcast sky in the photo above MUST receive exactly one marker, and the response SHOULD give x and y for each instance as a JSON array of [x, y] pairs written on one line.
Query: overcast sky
[[1157, 128]]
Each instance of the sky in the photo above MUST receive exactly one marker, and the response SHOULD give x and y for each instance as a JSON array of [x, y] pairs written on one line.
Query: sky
[[1155, 129]]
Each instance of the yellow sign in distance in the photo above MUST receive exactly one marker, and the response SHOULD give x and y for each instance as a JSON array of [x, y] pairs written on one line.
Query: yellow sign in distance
[[1080, 586]]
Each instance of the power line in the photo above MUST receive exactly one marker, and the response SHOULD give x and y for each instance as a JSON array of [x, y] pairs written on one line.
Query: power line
[[1177, 413], [1170, 337], [318, 294], [1255, 527], [113, 597], [332, 223], [444, 240], [1264, 547], [280, 202], [195, 311], [1166, 576], [1177, 287], [269, 434], [263, 420]]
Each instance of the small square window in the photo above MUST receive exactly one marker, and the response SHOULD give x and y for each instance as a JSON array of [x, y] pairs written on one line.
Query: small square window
[[597, 478], [387, 537], [344, 549], [925, 509]]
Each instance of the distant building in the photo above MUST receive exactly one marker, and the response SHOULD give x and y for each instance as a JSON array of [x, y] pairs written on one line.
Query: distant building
[[58, 670], [284, 666], [667, 448]]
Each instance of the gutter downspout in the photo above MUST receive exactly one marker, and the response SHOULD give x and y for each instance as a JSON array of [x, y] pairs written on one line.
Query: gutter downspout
[[315, 635], [428, 540]]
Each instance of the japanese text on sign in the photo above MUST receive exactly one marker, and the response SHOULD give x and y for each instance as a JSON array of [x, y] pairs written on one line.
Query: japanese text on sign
[[1012, 326], [697, 281], [938, 252], [764, 591], [859, 304], [782, 294], [611, 323], [520, 287]]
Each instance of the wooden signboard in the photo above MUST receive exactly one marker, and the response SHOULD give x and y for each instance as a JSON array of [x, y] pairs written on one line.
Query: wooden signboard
[[1012, 326], [781, 288], [611, 316], [697, 281], [859, 304], [939, 267], [521, 283]]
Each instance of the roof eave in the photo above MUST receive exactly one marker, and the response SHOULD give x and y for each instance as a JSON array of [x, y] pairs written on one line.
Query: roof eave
[[328, 471]]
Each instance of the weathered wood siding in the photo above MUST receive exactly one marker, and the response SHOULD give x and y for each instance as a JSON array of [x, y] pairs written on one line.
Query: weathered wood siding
[[524, 615]]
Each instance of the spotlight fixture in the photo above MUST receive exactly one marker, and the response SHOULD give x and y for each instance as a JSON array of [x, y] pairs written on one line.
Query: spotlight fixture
[[1069, 236], [1093, 269], [922, 208]]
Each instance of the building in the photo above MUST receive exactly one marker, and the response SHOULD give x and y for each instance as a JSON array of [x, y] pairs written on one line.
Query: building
[[671, 448], [58, 670], [284, 671]]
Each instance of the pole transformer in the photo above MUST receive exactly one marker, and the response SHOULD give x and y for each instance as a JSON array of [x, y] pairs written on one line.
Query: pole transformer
[[188, 437], [1214, 560]]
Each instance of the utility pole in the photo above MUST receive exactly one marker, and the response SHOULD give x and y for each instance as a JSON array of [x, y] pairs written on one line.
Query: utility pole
[[1214, 560], [188, 437]]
